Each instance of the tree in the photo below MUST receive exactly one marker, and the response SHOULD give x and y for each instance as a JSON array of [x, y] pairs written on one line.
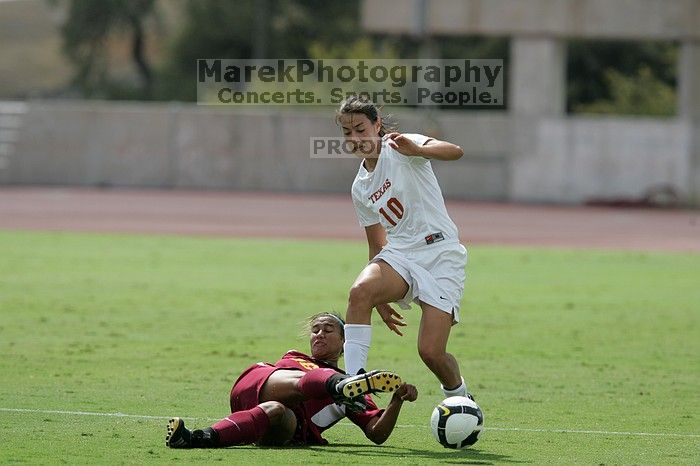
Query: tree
[[249, 29], [622, 77], [639, 94], [89, 25]]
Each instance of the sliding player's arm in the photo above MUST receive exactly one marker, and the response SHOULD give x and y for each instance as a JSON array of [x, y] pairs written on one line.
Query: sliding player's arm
[[379, 428]]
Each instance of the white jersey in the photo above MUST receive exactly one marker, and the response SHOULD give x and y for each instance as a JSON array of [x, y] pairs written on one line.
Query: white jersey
[[403, 195]]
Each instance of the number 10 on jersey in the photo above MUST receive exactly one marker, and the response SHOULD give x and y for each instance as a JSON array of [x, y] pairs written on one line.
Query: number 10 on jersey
[[396, 209]]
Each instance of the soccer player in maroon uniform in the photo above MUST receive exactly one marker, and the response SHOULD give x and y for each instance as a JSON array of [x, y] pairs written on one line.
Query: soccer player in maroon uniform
[[299, 397]]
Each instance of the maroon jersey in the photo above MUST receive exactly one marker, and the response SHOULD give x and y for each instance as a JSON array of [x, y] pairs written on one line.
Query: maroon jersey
[[313, 416]]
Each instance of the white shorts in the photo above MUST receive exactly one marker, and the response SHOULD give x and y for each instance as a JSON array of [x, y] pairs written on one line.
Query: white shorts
[[435, 274]]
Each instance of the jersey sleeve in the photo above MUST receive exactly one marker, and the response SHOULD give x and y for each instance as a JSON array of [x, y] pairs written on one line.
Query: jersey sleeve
[[362, 418], [365, 216]]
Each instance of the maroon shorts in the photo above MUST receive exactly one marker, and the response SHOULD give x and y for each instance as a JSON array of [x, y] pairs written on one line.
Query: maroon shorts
[[245, 393]]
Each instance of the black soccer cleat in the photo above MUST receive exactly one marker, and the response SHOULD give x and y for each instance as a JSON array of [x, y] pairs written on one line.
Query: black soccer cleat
[[376, 381], [178, 435]]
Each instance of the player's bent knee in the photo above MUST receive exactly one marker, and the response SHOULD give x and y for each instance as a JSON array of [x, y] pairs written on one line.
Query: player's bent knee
[[430, 355], [274, 411], [282, 429], [360, 295]]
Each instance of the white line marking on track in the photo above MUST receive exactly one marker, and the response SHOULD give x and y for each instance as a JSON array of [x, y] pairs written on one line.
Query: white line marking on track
[[348, 424]]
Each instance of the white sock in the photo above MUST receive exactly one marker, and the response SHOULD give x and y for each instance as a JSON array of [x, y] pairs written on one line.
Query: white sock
[[357, 340], [459, 391]]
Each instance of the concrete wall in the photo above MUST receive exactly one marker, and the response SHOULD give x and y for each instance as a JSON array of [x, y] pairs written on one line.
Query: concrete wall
[[171, 146], [595, 19], [578, 159], [553, 157], [508, 157], [186, 146]]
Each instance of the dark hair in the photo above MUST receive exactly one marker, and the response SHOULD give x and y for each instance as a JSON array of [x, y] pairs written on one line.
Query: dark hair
[[361, 104], [309, 322]]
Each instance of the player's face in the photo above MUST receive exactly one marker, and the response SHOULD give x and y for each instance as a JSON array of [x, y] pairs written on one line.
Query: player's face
[[326, 339], [361, 133]]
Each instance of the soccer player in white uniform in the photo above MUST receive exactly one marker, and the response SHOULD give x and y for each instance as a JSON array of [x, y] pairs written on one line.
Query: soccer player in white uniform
[[414, 249]]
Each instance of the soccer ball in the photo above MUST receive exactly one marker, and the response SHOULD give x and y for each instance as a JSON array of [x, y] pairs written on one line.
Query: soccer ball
[[457, 422]]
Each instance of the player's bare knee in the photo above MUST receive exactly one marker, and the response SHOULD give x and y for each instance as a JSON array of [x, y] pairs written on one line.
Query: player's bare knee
[[360, 296], [274, 410], [282, 429], [430, 355]]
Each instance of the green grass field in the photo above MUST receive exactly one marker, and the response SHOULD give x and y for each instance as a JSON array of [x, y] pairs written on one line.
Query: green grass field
[[554, 344]]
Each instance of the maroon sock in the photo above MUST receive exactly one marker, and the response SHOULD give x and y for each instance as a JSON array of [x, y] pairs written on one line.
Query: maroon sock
[[242, 427], [313, 383]]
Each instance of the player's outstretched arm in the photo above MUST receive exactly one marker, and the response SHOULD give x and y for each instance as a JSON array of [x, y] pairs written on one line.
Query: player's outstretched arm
[[432, 149], [379, 428]]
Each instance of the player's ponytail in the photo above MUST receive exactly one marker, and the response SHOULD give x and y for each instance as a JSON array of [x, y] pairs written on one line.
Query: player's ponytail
[[361, 104]]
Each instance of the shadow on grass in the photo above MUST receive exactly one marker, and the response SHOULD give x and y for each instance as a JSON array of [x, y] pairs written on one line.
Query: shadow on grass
[[467, 456], [362, 451]]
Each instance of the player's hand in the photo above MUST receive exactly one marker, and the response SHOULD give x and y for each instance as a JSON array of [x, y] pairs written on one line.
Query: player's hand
[[391, 318], [401, 143], [406, 392]]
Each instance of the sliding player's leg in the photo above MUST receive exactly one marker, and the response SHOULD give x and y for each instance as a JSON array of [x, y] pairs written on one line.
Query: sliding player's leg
[[292, 386], [270, 423]]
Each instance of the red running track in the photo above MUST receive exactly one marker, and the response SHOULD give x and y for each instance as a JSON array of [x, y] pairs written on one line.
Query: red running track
[[308, 216]]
